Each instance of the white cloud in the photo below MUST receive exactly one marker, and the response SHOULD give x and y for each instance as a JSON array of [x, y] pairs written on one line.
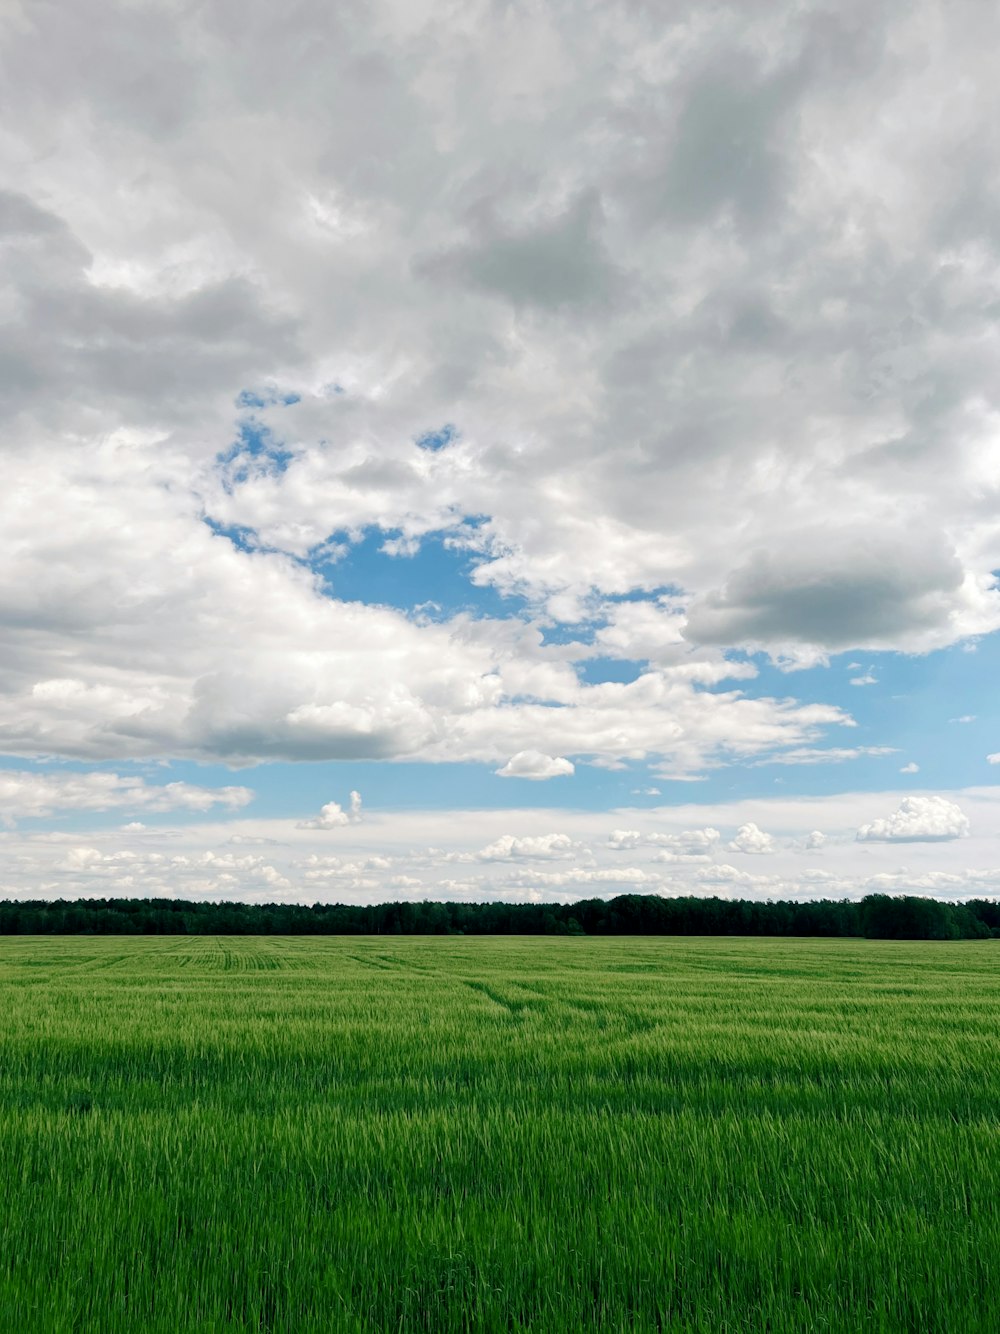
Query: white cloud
[[266, 859], [994, 758], [824, 755], [686, 842], [815, 840], [724, 874], [918, 820], [911, 768], [25, 794], [624, 840], [263, 666], [752, 840], [125, 872], [533, 764], [333, 816], [868, 679], [609, 880], [542, 847]]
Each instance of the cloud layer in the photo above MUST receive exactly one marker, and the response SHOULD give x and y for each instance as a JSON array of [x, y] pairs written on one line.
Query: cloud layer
[[679, 329], [26, 795], [802, 848]]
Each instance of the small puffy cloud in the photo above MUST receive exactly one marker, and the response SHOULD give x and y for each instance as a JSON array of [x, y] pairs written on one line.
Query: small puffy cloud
[[535, 765], [604, 879], [724, 874], [918, 820], [911, 768], [624, 840], [815, 840], [752, 840], [333, 815], [361, 875], [689, 842], [868, 679], [965, 718], [543, 846], [994, 758], [153, 873]]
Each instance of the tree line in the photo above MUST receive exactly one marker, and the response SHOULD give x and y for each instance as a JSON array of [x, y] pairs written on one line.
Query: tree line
[[877, 917]]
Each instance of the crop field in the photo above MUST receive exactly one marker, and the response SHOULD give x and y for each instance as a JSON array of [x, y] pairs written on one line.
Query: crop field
[[369, 1134]]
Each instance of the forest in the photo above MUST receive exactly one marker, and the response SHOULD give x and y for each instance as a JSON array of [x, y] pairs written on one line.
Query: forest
[[877, 917]]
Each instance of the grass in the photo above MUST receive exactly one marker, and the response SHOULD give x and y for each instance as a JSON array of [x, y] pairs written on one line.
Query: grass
[[369, 1134]]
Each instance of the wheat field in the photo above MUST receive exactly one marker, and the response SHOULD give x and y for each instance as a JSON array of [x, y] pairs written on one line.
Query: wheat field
[[367, 1134]]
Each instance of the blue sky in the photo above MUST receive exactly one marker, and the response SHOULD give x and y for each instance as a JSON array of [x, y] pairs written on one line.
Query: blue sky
[[579, 442]]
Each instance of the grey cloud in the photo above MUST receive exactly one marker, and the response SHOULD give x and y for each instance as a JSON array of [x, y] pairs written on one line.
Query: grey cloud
[[836, 594], [21, 217], [727, 148], [692, 287], [555, 264], [137, 69], [74, 346]]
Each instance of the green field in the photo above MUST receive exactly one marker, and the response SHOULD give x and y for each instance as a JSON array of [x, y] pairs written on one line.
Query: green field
[[499, 1134]]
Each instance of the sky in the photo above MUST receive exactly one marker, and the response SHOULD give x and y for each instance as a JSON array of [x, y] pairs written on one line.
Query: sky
[[513, 449]]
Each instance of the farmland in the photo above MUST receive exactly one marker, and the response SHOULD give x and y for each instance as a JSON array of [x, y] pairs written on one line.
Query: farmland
[[369, 1133]]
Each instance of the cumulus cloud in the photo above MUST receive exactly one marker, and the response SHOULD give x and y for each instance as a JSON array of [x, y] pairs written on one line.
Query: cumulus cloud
[[263, 664], [918, 820], [333, 815], [911, 768], [683, 288], [607, 880], [994, 758], [543, 847], [624, 840], [750, 839], [878, 589], [116, 870], [688, 842], [533, 764], [726, 875]]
